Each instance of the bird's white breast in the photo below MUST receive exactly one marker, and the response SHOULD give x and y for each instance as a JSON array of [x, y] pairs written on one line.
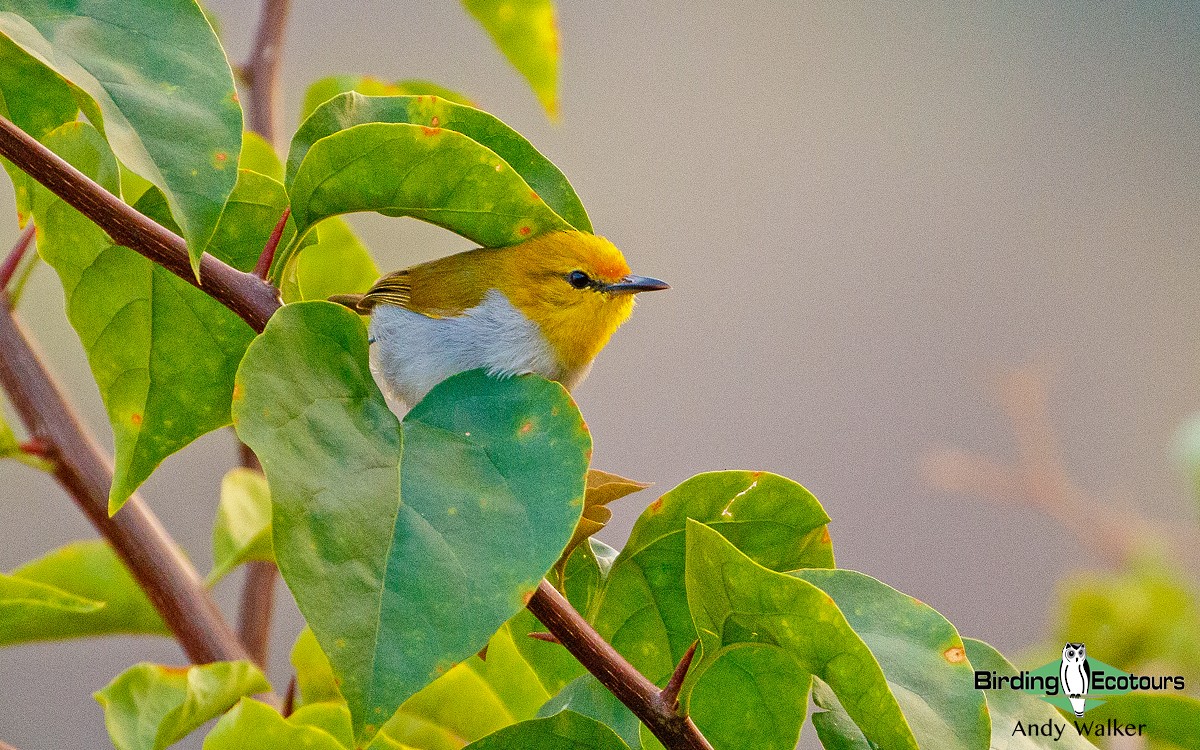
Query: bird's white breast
[[411, 352]]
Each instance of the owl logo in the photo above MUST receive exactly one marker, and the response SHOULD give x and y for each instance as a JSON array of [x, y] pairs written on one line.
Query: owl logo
[[1075, 675]]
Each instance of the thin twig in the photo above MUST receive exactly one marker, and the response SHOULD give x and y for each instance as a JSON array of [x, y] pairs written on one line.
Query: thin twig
[[258, 591], [629, 685], [263, 266], [173, 585], [244, 293], [255, 301], [261, 71], [13, 260]]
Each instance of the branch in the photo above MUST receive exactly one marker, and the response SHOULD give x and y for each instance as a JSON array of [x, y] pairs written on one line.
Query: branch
[[250, 297], [173, 585], [629, 685], [261, 71], [258, 591], [255, 301]]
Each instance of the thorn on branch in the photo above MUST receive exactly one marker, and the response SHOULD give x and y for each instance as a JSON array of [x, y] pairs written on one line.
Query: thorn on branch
[[547, 637], [16, 255], [263, 267], [670, 693], [289, 698]]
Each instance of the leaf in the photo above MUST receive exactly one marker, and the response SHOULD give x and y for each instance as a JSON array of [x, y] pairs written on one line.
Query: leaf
[[735, 600], [163, 353], [325, 89], [337, 263], [585, 695], [526, 31], [314, 676], [91, 571], [602, 488], [161, 81], [37, 101], [921, 655], [563, 731], [492, 481], [585, 574], [436, 116], [1010, 707], [643, 609], [259, 156], [751, 696], [1173, 719], [252, 725], [243, 529], [28, 605], [149, 706]]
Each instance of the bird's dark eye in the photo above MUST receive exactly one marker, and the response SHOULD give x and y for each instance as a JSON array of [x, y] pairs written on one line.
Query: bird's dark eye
[[579, 279]]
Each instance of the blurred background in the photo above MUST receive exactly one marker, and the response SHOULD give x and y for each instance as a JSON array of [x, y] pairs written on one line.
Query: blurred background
[[870, 214]]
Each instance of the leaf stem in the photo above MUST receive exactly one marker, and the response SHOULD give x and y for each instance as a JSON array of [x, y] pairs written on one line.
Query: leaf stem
[[13, 260], [629, 685], [173, 585], [263, 266], [255, 301]]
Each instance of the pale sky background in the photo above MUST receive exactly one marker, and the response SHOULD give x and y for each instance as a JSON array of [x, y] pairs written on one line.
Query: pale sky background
[[868, 213]]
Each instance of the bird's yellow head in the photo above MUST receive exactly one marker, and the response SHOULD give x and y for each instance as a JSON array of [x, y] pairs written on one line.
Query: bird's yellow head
[[576, 287]]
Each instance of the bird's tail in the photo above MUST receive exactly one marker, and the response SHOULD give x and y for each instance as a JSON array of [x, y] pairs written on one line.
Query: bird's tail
[[352, 301]]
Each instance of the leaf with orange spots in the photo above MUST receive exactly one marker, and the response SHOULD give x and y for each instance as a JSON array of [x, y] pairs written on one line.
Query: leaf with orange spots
[[159, 87], [162, 352], [733, 601], [420, 538], [150, 706], [526, 31], [325, 89], [922, 657]]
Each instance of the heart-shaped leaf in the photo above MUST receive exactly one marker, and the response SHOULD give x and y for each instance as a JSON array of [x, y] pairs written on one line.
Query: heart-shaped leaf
[[526, 31], [404, 562], [735, 600], [162, 84], [350, 109]]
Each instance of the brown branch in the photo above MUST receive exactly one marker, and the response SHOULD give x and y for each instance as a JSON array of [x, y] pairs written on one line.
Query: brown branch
[[261, 71], [9, 267], [629, 685], [173, 585], [247, 295], [258, 591], [255, 301]]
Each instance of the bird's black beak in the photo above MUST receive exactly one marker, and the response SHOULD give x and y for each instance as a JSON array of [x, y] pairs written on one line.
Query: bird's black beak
[[635, 284]]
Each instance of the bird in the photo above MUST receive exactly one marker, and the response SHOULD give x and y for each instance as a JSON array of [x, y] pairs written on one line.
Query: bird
[[546, 306], [1076, 675]]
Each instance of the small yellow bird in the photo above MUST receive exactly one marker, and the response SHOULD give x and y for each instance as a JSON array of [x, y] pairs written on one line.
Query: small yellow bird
[[546, 306]]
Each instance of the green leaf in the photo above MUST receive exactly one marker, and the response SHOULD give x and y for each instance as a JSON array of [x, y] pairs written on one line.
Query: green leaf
[[643, 609], [161, 81], [585, 695], [259, 156], [28, 605], [252, 725], [243, 528], [163, 353], [921, 655], [327, 88], [436, 116], [492, 481], [149, 706], [526, 31], [37, 101], [314, 676], [752, 696], [1173, 719], [337, 263], [585, 574], [735, 600], [1010, 707], [563, 731], [92, 571]]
